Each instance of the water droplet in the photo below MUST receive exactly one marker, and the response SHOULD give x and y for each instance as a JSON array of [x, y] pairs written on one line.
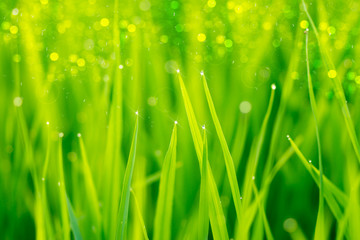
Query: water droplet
[[15, 11], [61, 134], [18, 101], [290, 225], [273, 86], [245, 107], [79, 134]]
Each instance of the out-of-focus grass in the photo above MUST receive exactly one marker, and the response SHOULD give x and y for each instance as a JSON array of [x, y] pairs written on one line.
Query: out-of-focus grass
[[76, 76]]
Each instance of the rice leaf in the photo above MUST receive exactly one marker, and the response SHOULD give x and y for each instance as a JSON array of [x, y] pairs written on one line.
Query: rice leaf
[[216, 214], [319, 230], [260, 203], [162, 224], [89, 184], [204, 196], [143, 227], [229, 163], [255, 151], [328, 194], [73, 221], [125, 193], [62, 192], [338, 89]]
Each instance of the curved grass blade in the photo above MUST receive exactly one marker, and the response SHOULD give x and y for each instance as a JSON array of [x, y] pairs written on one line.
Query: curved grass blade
[[162, 225], [319, 230], [152, 178], [146, 237], [216, 214], [250, 212], [252, 165], [73, 221], [351, 207], [229, 163], [204, 196], [255, 151], [338, 89], [329, 195], [260, 203], [125, 192]]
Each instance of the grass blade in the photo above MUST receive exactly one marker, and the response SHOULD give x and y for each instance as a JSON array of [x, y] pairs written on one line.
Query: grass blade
[[328, 194], [146, 237], [162, 225], [216, 214], [338, 89], [89, 184], [229, 163], [125, 193], [62, 192], [260, 203], [203, 203], [73, 221], [319, 231], [255, 151]]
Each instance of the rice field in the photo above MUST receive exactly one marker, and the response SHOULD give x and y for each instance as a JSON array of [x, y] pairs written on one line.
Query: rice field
[[160, 119]]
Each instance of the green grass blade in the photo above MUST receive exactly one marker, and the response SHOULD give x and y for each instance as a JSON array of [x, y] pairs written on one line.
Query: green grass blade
[[152, 178], [338, 194], [319, 231], [162, 224], [338, 89], [255, 151], [203, 202], [89, 184], [143, 227], [328, 194], [125, 193], [250, 212], [195, 132], [44, 201], [216, 214], [73, 221], [229, 163], [281, 162], [260, 203], [354, 199], [62, 192]]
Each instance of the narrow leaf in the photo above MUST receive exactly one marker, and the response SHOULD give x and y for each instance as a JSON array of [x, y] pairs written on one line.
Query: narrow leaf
[[216, 214], [162, 225], [125, 193], [146, 237], [229, 163], [203, 203], [73, 221]]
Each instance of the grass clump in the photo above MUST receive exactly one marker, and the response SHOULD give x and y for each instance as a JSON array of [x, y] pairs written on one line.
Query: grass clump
[[76, 164]]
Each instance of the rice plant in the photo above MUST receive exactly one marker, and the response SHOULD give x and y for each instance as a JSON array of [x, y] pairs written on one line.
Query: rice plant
[[179, 119]]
